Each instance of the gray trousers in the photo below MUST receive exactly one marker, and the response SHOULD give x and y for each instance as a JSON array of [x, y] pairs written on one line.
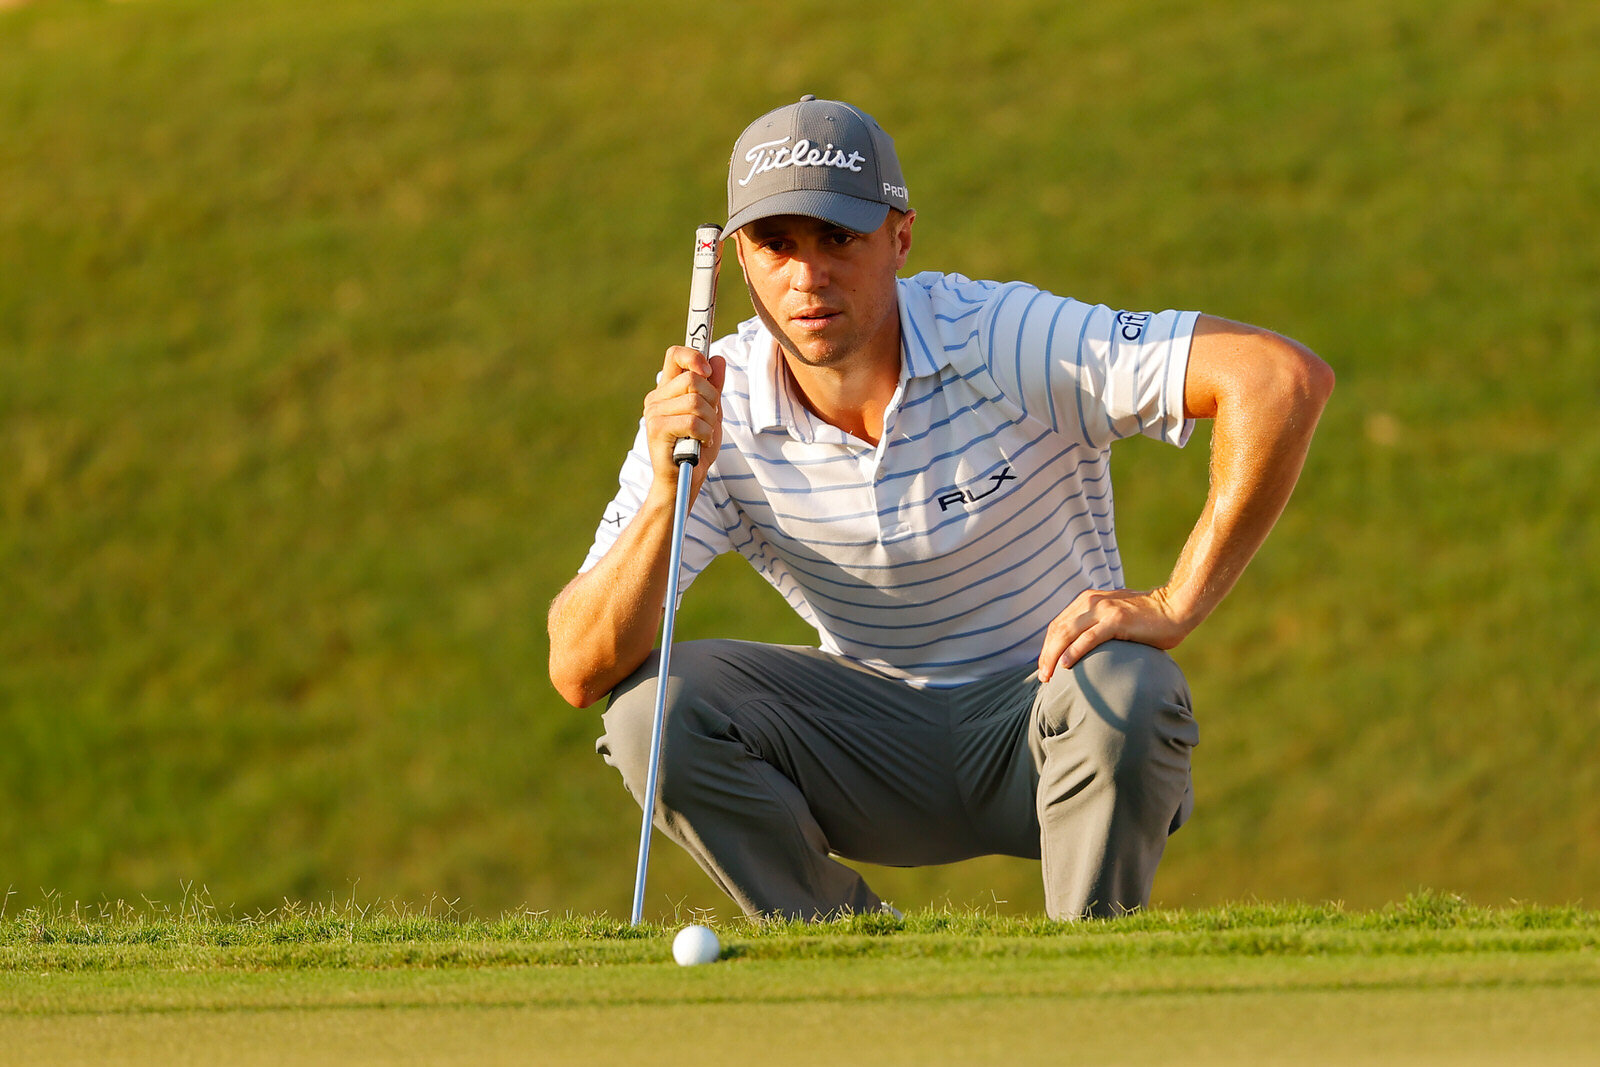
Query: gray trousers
[[776, 759]]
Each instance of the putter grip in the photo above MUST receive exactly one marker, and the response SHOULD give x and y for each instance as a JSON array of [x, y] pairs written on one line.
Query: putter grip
[[702, 311]]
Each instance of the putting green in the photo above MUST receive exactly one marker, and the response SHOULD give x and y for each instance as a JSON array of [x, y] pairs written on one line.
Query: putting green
[[1449, 1008]]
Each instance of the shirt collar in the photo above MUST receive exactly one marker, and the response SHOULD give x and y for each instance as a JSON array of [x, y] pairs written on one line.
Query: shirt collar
[[767, 395], [920, 343]]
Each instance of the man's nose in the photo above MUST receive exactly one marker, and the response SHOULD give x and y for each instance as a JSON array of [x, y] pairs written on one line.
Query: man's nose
[[810, 272]]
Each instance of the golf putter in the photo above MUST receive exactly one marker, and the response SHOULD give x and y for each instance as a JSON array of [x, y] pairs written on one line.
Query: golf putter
[[686, 454]]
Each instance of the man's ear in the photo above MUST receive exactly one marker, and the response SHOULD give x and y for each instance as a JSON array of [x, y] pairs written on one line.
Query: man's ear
[[903, 239]]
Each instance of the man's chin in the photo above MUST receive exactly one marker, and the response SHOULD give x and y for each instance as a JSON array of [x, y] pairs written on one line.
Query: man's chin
[[813, 353]]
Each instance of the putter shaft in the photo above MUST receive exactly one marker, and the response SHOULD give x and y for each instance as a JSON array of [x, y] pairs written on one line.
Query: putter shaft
[[680, 514], [686, 453]]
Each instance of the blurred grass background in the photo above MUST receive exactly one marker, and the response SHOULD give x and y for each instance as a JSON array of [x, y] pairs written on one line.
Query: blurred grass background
[[324, 327]]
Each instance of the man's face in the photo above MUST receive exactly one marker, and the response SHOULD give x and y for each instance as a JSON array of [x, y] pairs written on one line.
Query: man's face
[[824, 292]]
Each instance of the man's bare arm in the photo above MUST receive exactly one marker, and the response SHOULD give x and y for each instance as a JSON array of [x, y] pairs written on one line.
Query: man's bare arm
[[604, 623], [1265, 393]]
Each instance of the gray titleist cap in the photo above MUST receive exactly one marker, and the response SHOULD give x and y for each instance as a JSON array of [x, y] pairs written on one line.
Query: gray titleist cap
[[819, 158]]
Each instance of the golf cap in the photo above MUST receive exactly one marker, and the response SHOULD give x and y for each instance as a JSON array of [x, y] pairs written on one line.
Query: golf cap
[[820, 158]]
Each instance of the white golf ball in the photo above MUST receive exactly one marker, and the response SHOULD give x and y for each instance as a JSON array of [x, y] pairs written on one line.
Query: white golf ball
[[696, 944]]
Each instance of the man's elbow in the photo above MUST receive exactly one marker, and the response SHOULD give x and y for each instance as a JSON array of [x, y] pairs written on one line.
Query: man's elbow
[[1317, 376], [578, 688], [572, 665], [572, 673], [1303, 380]]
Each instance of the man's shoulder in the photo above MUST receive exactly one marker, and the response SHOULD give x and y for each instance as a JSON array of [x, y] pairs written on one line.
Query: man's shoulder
[[959, 292], [953, 320], [953, 304], [941, 287], [939, 316]]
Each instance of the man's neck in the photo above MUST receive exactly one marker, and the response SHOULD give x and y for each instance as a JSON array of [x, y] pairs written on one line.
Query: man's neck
[[852, 397]]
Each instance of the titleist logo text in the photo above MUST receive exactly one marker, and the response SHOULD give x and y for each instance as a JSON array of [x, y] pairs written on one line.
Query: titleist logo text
[[775, 155]]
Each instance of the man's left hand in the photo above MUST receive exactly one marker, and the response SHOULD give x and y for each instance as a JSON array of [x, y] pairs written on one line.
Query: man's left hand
[[1100, 615]]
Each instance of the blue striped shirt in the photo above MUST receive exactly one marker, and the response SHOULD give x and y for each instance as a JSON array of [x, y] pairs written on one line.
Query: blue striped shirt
[[941, 554]]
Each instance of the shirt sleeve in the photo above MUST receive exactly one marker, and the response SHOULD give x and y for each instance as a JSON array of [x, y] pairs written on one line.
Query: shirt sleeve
[[704, 537], [1091, 372]]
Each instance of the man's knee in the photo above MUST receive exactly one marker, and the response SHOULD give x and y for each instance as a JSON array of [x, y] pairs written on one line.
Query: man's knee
[[1124, 702], [688, 715]]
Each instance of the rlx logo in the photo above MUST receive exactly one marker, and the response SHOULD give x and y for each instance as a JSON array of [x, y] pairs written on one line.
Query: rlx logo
[[972, 496]]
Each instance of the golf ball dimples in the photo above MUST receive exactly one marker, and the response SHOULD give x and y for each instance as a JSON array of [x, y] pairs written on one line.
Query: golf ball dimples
[[695, 944]]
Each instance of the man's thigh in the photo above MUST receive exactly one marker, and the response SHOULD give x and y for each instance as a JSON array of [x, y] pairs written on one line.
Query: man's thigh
[[871, 755]]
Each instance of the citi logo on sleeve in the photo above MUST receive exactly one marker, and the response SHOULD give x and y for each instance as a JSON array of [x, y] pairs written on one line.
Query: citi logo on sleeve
[[954, 496], [775, 155], [1131, 324]]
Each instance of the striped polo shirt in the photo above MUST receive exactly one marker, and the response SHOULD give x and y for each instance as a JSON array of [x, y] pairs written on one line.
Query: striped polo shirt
[[941, 554]]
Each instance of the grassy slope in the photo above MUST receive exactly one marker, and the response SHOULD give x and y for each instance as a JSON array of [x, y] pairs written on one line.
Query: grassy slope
[[322, 327]]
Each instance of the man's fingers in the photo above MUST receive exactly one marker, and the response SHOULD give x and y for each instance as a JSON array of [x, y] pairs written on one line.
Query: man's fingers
[[689, 394], [679, 359], [685, 403], [695, 380], [1089, 621], [686, 371], [687, 414], [1058, 639], [1084, 643], [1100, 615], [1066, 650]]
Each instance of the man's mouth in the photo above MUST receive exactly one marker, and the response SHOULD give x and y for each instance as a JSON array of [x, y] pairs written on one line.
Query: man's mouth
[[813, 318]]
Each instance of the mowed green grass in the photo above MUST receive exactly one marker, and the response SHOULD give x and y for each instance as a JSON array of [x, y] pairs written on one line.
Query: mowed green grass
[[1441, 1011], [324, 326], [1428, 981]]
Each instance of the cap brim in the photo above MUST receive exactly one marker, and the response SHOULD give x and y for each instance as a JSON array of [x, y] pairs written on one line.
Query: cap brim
[[853, 213]]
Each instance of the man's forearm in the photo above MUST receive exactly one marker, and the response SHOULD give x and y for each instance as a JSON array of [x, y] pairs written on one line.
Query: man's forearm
[[1261, 434], [604, 623]]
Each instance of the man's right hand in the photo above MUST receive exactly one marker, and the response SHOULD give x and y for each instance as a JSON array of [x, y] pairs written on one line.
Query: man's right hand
[[686, 402]]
